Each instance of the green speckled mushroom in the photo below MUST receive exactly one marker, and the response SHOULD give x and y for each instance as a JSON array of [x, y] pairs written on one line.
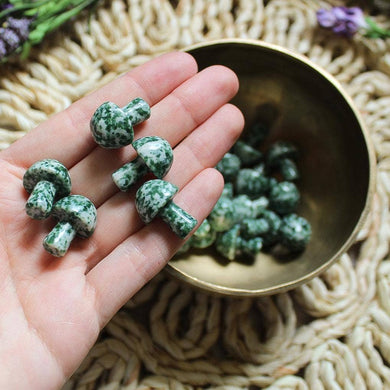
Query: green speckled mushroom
[[154, 198], [45, 180], [228, 191], [204, 236], [221, 217], [227, 243], [279, 151], [154, 154], [295, 232], [284, 197], [289, 169], [246, 153], [253, 227], [112, 126], [229, 166], [252, 183], [244, 207], [272, 235], [76, 215], [230, 245], [251, 247]]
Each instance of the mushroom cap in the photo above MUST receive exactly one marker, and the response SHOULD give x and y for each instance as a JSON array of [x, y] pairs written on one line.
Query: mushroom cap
[[157, 154], [284, 197], [79, 211], [274, 221], [243, 207], [204, 236], [251, 182], [279, 151], [246, 153], [152, 196], [295, 232], [229, 166], [221, 217], [227, 242], [49, 170], [111, 126]]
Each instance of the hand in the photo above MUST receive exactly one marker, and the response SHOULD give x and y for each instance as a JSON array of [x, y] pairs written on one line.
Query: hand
[[52, 309]]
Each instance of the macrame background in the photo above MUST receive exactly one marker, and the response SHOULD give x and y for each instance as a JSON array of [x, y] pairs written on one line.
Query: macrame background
[[332, 333]]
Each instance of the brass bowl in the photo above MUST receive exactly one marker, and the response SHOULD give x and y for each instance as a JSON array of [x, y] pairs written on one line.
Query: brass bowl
[[307, 106]]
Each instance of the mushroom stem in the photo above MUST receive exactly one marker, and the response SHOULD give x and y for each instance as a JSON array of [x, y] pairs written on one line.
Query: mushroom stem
[[40, 202], [58, 240], [179, 220], [130, 173], [138, 111]]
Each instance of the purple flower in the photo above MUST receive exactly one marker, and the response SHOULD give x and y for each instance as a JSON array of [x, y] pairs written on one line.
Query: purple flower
[[3, 49], [6, 6], [342, 20], [20, 26], [10, 38], [12, 34]]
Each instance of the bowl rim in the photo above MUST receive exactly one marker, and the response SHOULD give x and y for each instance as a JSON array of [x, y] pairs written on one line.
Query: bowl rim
[[240, 292]]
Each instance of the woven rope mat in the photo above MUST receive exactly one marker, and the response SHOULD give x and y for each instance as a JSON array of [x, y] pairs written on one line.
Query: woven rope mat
[[332, 333]]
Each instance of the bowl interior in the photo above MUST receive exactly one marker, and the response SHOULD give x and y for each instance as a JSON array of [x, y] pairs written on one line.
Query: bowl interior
[[303, 105]]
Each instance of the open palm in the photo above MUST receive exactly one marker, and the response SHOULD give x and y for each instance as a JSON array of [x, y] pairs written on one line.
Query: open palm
[[52, 309]]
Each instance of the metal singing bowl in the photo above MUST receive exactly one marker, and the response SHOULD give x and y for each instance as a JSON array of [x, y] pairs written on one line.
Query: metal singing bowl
[[305, 105]]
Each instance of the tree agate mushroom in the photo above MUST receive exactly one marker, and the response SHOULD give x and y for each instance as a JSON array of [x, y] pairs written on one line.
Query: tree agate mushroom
[[244, 207], [154, 198], [230, 245], [154, 154], [289, 169], [112, 126], [274, 221], [204, 236], [251, 182], [227, 243], [228, 190], [221, 217], [279, 151], [254, 209], [46, 180], [76, 215], [253, 227], [246, 153], [295, 232], [284, 197], [229, 166]]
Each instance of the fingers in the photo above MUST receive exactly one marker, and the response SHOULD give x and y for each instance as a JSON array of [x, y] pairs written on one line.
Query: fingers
[[118, 218], [66, 136], [204, 147], [173, 118], [138, 258]]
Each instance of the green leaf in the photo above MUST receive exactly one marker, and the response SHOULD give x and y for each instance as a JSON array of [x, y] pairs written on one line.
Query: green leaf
[[374, 31]]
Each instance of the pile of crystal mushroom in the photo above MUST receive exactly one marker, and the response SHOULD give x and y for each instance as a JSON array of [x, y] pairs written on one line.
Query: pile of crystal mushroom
[[257, 208]]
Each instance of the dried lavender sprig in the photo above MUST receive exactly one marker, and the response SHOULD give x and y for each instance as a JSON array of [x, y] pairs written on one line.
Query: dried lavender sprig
[[347, 21], [20, 26], [13, 33], [31, 21]]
